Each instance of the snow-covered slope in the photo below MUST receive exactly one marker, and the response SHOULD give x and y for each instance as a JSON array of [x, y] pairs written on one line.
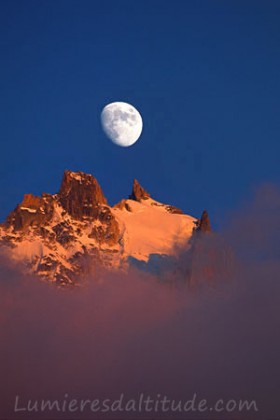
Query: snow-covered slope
[[63, 236], [149, 228]]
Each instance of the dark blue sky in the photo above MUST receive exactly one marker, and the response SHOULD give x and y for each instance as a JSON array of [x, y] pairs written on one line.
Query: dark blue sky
[[205, 76]]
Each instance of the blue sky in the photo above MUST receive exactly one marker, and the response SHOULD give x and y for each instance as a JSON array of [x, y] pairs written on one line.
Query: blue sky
[[204, 75]]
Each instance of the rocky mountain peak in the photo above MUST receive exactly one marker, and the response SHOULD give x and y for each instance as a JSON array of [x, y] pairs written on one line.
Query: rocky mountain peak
[[32, 202], [80, 194], [138, 192], [32, 211], [203, 224]]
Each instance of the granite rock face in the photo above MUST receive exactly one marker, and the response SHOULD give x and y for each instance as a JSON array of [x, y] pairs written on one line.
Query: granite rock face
[[80, 195], [33, 211]]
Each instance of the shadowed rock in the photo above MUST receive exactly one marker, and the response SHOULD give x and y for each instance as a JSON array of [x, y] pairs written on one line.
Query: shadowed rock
[[203, 225], [138, 192]]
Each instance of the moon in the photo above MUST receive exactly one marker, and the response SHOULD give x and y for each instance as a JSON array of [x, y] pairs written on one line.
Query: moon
[[122, 123]]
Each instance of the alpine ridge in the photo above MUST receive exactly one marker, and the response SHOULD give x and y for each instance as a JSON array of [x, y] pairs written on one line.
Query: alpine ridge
[[65, 236]]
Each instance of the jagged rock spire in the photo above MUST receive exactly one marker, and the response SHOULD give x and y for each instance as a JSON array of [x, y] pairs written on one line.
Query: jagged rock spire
[[80, 194], [138, 192], [203, 224]]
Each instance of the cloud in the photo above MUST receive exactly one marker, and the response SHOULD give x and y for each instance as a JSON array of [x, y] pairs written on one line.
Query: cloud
[[128, 334]]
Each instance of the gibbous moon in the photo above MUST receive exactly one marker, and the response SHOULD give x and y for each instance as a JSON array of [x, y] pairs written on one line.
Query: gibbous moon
[[122, 123]]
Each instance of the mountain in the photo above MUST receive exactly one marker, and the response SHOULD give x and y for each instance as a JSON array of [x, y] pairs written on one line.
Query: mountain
[[63, 237]]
